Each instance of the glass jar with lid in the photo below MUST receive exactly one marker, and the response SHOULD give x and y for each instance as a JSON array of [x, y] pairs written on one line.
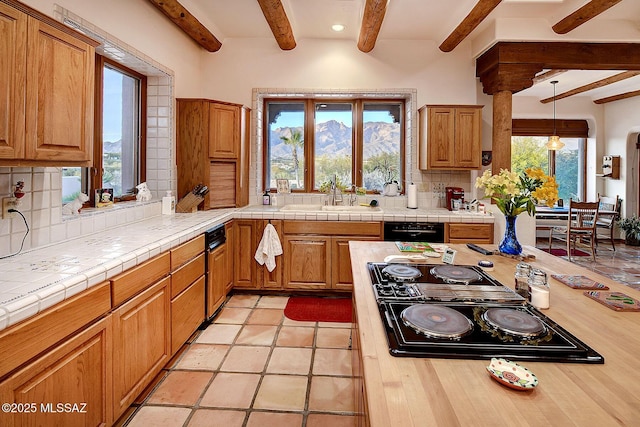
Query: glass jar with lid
[[538, 289], [522, 279]]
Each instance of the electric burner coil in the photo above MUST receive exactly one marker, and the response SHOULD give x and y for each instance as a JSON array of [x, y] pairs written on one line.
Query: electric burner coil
[[455, 274], [402, 273], [515, 323], [436, 321]]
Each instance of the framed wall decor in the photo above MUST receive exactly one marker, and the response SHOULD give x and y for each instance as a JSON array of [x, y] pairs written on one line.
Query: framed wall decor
[[283, 186]]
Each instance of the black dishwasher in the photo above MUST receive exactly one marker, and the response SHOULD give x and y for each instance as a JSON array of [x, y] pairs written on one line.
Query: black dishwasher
[[414, 232]]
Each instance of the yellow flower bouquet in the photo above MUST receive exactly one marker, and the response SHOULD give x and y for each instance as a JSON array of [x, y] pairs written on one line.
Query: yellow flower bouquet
[[515, 193]]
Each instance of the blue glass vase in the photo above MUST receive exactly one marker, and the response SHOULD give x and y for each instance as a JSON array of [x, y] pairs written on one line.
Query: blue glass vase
[[509, 244]]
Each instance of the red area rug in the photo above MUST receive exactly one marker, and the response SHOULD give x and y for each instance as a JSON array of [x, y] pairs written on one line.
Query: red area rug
[[314, 309], [563, 252]]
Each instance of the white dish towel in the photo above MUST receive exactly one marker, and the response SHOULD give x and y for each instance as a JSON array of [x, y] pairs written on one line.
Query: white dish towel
[[269, 248]]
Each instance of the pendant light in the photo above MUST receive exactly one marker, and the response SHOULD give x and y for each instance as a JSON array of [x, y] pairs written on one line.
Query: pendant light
[[554, 142]]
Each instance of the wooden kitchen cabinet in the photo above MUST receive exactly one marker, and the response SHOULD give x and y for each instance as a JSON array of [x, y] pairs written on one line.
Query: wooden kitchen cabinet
[[248, 273], [450, 137], [213, 149], [307, 262], [230, 230], [217, 280], [187, 290], [141, 343], [47, 81], [316, 253], [459, 232], [77, 371]]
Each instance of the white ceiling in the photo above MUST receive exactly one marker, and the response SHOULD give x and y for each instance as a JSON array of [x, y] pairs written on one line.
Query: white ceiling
[[433, 20]]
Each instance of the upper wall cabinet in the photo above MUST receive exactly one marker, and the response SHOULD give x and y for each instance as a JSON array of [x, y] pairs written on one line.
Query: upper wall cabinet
[[46, 90], [450, 137], [213, 149]]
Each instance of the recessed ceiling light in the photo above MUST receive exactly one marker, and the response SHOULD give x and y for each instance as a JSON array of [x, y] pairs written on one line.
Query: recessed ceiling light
[[337, 27]]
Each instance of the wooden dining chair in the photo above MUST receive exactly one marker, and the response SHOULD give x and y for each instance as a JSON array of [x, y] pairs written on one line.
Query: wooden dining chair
[[581, 226], [606, 221]]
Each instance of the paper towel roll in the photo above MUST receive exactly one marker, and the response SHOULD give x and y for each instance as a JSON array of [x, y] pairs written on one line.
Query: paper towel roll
[[412, 196]]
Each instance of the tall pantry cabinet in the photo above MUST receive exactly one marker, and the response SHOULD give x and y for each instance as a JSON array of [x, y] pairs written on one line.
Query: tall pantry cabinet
[[46, 90], [213, 149]]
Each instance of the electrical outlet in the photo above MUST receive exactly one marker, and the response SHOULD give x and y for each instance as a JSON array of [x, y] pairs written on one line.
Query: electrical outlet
[[8, 203]]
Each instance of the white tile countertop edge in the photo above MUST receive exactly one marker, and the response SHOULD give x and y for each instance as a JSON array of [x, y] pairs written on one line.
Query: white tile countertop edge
[[40, 278]]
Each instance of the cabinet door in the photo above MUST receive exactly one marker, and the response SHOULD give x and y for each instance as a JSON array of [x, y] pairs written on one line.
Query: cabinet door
[[468, 150], [307, 262], [13, 51], [141, 343], [441, 137], [272, 279], [245, 248], [230, 230], [60, 74], [78, 371], [468, 233], [217, 278], [224, 131], [341, 276], [187, 313]]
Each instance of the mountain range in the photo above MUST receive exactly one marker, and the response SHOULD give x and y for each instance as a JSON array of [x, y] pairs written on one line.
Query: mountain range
[[333, 137]]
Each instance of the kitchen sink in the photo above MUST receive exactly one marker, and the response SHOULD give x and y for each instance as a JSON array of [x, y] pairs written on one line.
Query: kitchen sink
[[322, 208]]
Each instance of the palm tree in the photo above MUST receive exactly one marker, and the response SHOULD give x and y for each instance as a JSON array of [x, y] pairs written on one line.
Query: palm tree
[[295, 140]]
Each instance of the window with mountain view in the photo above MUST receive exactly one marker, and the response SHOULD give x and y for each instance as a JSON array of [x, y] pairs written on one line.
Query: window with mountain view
[[118, 154], [566, 164], [357, 141]]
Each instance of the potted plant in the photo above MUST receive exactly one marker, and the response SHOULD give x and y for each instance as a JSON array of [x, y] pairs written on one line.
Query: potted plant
[[631, 228]]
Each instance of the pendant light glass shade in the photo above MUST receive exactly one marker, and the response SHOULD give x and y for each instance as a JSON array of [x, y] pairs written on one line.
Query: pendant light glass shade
[[554, 142]]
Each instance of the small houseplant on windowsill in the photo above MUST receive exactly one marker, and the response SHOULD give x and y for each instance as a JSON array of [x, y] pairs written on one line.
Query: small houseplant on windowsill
[[631, 228]]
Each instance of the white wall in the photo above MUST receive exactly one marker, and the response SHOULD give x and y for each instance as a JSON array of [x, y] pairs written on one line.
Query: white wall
[[622, 119], [243, 64]]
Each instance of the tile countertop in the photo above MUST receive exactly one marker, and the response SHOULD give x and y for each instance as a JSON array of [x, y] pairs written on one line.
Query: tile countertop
[[37, 279]]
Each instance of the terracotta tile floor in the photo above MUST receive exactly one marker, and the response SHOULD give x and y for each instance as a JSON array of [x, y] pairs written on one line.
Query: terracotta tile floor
[[621, 265], [253, 367]]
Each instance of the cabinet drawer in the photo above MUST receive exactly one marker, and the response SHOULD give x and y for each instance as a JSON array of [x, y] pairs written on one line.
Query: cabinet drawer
[[27, 339], [187, 313], [136, 279], [334, 228], [186, 251], [463, 233], [186, 275]]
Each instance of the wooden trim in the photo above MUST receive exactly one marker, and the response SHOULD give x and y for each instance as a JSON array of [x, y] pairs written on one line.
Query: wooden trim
[[334, 228], [480, 11], [595, 85], [617, 97], [276, 17], [582, 15], [188, 23], [374, 11], [544, 127]]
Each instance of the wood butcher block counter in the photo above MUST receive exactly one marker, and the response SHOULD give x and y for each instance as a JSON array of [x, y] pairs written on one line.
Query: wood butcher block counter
[[401, 391]]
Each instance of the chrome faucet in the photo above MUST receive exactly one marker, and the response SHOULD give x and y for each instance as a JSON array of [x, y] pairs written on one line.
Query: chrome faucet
[[353, 198]]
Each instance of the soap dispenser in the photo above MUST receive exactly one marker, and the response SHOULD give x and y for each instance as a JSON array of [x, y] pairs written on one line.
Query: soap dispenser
[[266, 198]]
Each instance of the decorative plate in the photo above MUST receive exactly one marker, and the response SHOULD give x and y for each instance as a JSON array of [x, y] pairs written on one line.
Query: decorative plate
[[512, 375]]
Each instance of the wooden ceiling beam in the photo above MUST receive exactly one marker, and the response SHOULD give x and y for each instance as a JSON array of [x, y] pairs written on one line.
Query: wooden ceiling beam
[[583, 14], [595, 85], [188, 23], [374, 11], [527, 59], [276, 17], [618, 97], [547, 75], [480, 11]]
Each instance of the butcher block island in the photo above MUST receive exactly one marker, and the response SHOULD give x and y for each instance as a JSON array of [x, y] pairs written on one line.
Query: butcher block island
[[442, 391]]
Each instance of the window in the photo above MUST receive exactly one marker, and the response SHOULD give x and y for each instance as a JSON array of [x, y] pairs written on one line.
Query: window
[[566, 164], [358, 141], [119, 143]]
